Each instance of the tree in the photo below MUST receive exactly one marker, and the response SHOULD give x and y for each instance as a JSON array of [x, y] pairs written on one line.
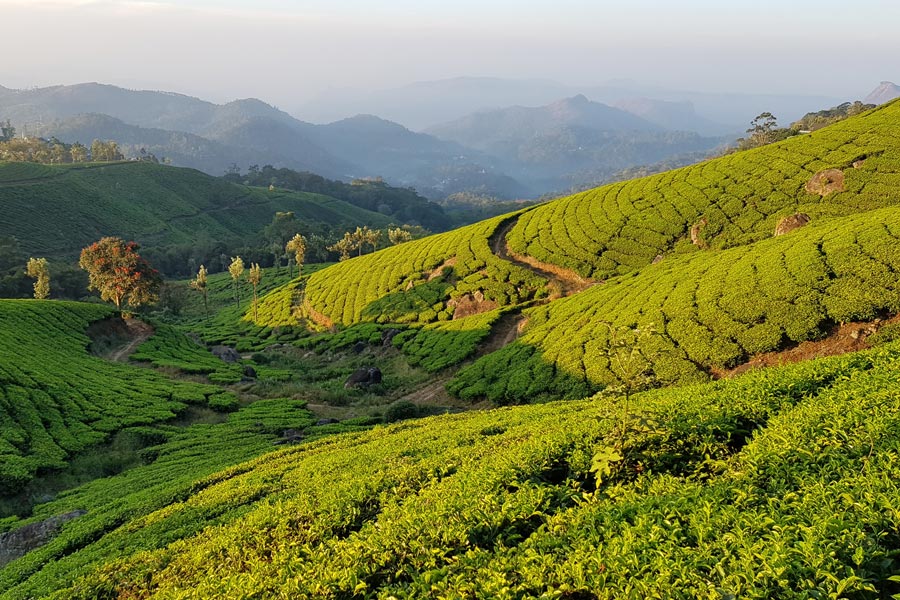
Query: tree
[[119, 273], [372, 237], [236, 269], [397, 236], [762, 128], [630, 357], [254, 277], [344, 246], [297, 246], [38, 270], [200, 284], [78, 152], [7, 131]]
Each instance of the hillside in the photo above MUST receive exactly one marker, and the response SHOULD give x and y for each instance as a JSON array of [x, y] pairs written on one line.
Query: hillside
[[155, 205], [213, 137], [733, 294], [57, 400], [777, 484]]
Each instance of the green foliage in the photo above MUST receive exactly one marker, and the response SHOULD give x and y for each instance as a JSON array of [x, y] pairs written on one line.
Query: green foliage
[[817, 120], [158, 206], [401, 204], [56, 399], [781, 483], [618, 228], [414, 281], [712, 309], [436, 346]]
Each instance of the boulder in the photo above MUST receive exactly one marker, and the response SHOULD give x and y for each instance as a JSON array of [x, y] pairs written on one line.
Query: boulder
[[18, 542], [290, 436], [229, 355], [790, 223], [826, 182], [249, 372], [387, 336], [358, 347], [327, 421], [363, 377]]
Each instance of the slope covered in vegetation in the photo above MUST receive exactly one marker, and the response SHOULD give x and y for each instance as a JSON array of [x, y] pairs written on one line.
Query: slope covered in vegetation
[[57, 400], [730, 201], [420, 281], [711, 309], [777, 484], [153, 204], [723, 292]]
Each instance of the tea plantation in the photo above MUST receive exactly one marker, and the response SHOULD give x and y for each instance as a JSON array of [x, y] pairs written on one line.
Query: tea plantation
[[56, 399], [781, 483], [155, 205], [733, 200], [414, 281], [712, 309]]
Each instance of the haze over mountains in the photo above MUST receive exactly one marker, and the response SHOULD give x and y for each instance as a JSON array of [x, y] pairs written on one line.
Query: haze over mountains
[[541, 139], [422, 104]]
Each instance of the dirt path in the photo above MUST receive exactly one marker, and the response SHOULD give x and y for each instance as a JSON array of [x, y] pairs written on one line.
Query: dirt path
[[566, 281], [139, 333]]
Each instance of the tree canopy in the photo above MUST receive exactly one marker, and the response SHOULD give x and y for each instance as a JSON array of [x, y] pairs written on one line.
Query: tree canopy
[[119, 273]]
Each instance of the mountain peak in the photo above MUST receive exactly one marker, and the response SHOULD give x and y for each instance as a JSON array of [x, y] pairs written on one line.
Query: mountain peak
[[885, 92]]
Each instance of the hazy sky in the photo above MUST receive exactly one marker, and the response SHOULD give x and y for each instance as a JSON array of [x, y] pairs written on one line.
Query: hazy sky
[[286, 51]]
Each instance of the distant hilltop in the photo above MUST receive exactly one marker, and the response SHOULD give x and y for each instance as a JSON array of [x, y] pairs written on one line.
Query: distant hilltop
[[885, 92]]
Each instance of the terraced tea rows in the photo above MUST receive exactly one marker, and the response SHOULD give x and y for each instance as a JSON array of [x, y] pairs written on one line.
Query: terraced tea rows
[[729, 201], [56, 399], [414, 281], [713, 309], [779, 484]]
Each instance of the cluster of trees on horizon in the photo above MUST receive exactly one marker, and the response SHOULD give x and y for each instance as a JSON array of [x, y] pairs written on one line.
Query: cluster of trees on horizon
[[55, 152], [764, 128]]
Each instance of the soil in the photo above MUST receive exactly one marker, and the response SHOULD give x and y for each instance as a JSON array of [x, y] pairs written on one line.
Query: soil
[[841, 339], [139, 332]]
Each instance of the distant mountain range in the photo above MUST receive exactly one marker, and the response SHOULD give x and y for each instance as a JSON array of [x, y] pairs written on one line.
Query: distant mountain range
[[424, 104], [519, 148], [569, 143]]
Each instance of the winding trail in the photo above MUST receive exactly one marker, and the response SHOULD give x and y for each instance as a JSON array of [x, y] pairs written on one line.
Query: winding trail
[[566, 281], [563, 282], [140, 332]]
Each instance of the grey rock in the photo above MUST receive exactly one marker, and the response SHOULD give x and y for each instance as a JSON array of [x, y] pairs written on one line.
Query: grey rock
[[18, 542], [225, 353], [363, 377]]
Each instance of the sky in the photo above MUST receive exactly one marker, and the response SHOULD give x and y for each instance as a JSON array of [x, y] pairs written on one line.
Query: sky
[[287, 52]]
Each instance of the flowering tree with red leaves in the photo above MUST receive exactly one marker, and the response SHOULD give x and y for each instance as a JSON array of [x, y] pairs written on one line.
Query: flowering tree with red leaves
[[119, 273]]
